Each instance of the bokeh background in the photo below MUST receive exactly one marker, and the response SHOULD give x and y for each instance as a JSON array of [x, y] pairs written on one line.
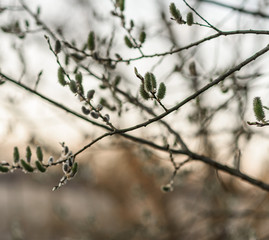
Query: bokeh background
[[117, 191]]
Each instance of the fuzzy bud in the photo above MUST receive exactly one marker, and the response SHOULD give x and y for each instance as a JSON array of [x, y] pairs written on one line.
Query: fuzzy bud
[[39, 154], [128, 42], [50, 160], [161, 91], [40, 166], [167, 188], [3, 169], [150, 82], [143, 92], [79, 78], [74, 170], [66, 150], [66, 169], [106, 118], [118, 56], [85, 110], [258, 109], [26, 166], [61, 77], [99, 107], [28, 154], [91, 41], [95, 114], [73, 86], [142, 37], [174, 11], [90, 94], [121, 4], [58, 47], [189, 18], [16, 155]]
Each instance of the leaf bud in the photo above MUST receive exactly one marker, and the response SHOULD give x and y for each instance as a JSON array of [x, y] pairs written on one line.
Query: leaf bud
[[99, 107], [258, 109], [3, 169], [142, 37], [189, 18], [128, 42], [150, 82], [50, 160], [79, 78], [85, 110], [90, 94], [61, 77], [121, 4], [40, 166], [73, 86], [74, 170], [28, 154], [106, 118], [167, 188], [66, 169], [39, 154], [143, 92], [58, 47], [174, 11], [16, 155], [91, 41], [95, 114], [161, 91], [26, 166]]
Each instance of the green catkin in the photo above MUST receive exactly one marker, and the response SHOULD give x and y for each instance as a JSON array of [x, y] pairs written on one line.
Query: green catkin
[[153, 81], [189, 18], [90, 94], [74, 170], [161, 91], [28, 154], [39, 154], [40, 167], [58, 47], [258, 109], [3, 169], [121, 4], [16, 155], [148, 83], [66, 60], [79, 78], [73, 86], [142, 37], [143, 93], [174, 11], [128, 42], [61, 77], [26, 166], [91, 41]]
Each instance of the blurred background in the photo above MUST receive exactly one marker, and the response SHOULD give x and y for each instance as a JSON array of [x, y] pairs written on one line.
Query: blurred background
[[117, 192]]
